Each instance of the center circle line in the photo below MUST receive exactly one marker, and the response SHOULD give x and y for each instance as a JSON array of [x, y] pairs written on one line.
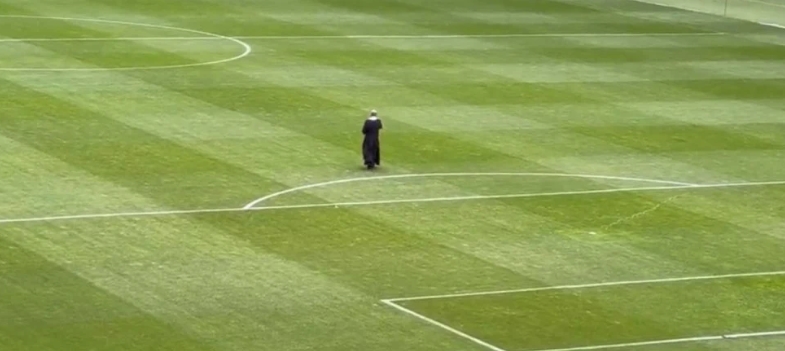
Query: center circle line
[[247, 49]]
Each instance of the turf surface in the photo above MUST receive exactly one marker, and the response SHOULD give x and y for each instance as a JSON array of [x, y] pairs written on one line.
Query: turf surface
[[94, 122]]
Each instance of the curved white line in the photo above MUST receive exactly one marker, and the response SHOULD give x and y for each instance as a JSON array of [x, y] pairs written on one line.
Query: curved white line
[[467, 174], [247, 49]]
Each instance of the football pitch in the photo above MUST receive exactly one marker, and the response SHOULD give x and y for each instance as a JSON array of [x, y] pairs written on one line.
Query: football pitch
[[556, 175]]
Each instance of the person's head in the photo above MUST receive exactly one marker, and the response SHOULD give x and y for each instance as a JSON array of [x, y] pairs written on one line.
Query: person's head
[[373, 113]]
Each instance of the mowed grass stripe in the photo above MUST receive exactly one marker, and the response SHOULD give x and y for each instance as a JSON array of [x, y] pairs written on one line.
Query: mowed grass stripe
[[758, 211], [124, 155], [104, 248], [222, 290], [107, 126], [513, 90], [67, 312], [509, 118], [614, 315], [289, 150], [554, 8], [577, 233], [639, 222], [235, 138], [95, 54], [117, 54], [37, 183], [347, 96], [338, 262], [505, 92], [417, 13], [626, 231], [251, 109], [331, 218], [710, 112], [539, 245]]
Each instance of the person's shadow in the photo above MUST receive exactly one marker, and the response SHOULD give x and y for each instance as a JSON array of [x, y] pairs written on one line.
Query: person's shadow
[[374, 169]]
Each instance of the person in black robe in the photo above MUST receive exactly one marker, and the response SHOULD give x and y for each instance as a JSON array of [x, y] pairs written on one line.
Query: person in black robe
[[371, 148]]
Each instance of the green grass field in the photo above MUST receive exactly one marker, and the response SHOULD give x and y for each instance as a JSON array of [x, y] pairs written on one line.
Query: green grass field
[[560, 165]]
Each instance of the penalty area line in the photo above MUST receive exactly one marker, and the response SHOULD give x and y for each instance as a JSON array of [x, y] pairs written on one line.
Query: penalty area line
[[487, 345], [442, 325], [593, 285], [674, 341], [394, 303]]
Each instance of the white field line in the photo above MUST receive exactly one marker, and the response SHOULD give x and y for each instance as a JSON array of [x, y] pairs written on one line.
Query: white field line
[[458, 174], [392, 303], [592, 285], [247, 49], [311, 37], [369, 203], [766, 3], [586, 348], [772, 25], [76, 39], [673, 341], [442, 325], [318, 205]]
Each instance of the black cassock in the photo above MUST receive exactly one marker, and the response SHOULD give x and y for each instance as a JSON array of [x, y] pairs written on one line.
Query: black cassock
[[372, 156]]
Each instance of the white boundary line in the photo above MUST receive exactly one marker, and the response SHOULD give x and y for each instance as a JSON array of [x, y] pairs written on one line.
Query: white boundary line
[[77, 39], [586, 348], [369, 36], [369, 203], [441, 325], [461, 174], [772, 25], [675, 341], [592, 285], [247, 49], [392, 303]]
